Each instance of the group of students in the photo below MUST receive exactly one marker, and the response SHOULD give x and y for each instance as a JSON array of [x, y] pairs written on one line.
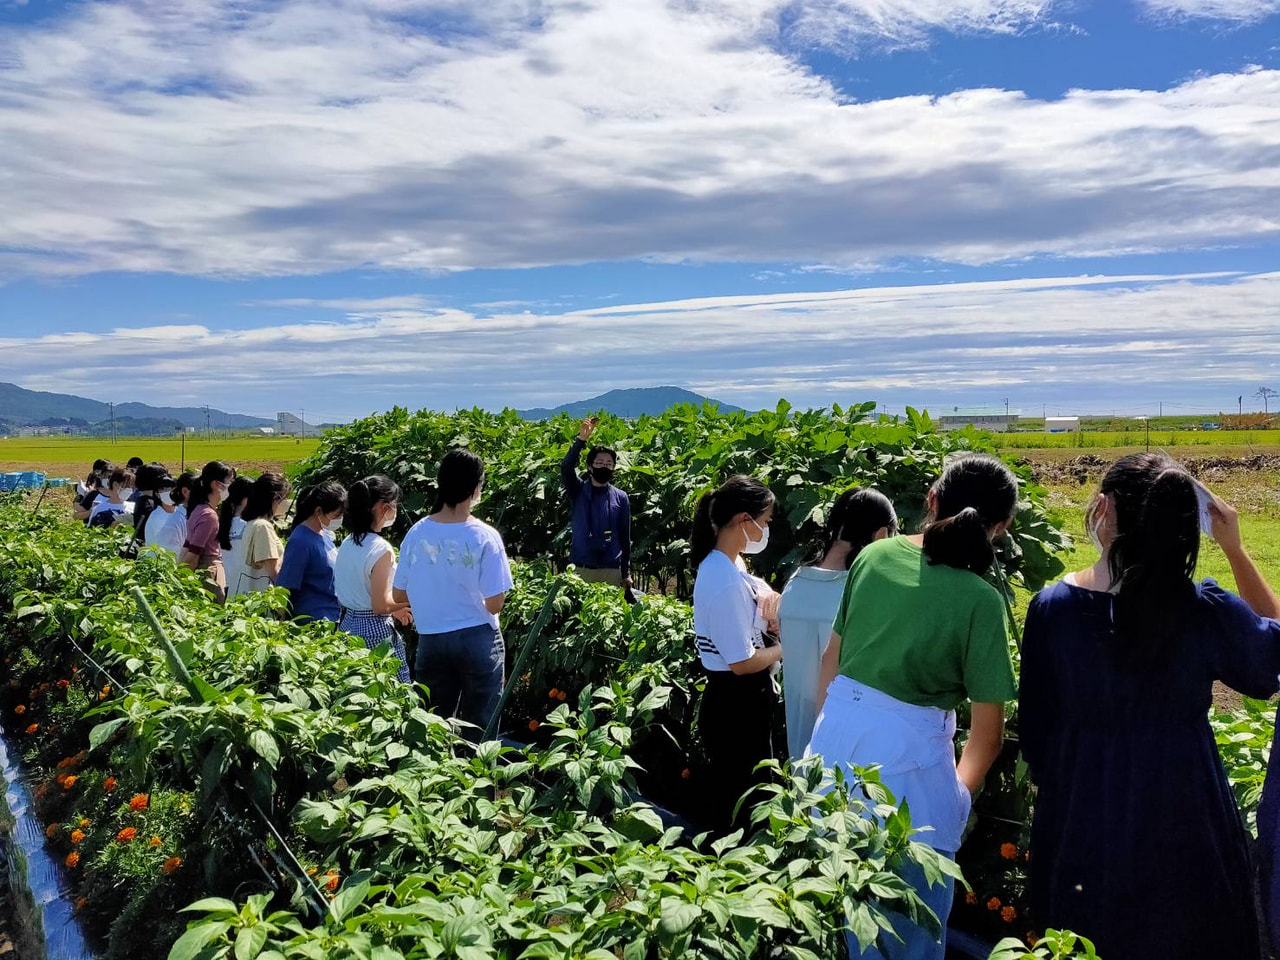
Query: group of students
[[450, 582], [1136, 837]]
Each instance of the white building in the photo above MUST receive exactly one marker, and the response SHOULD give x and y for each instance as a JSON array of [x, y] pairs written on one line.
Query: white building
[[1062, 424], [980, 418]]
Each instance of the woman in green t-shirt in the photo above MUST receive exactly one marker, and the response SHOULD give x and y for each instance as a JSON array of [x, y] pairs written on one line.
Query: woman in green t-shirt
[[919, 631]]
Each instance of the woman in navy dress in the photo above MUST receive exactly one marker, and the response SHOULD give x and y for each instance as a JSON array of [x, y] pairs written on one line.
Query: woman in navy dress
[[1136, 840]]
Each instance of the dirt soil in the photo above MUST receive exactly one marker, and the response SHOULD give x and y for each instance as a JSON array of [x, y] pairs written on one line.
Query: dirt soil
[[1089, 467]]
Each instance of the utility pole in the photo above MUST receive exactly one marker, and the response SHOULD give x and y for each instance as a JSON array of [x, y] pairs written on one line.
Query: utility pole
[[1240, 405], [208, 430], [112, 408], [1006, 408], [303, 429], [1148, 434]]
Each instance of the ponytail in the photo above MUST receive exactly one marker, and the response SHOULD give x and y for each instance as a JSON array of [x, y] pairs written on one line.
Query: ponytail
[[856, 517], [362, 497], [1152, 558], [328, 495], [738, 494], [975, 493]]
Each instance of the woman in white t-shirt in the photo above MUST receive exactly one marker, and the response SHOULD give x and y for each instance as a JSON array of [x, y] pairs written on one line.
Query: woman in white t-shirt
[[812, 599], [259, 546], [167, 525], [366, 565], [113, 502], [732, 612], [455, 576], [231, 526]]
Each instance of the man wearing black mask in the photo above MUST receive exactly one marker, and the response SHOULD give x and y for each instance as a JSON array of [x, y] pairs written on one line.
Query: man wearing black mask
[[600, 514]]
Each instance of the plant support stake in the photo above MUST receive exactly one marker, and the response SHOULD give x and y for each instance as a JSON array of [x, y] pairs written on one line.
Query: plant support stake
[[171, 653], [517, 669]]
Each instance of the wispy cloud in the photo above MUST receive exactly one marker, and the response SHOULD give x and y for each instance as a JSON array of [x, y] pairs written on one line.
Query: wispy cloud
[[214, 138], [1101, 339], [1237, 10]]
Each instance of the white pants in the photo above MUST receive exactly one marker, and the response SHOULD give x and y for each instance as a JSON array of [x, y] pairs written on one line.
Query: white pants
[[914, 747]]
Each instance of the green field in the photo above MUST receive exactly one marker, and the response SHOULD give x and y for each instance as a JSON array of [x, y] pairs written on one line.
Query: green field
[[72, 456], [1234, 443]]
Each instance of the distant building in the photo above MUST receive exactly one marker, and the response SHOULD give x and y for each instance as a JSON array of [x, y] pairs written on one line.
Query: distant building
[[980, 418], [1062, 424], [287, 425], [267, 431]]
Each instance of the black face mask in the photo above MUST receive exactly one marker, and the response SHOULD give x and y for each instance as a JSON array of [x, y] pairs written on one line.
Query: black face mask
[[602, 474]]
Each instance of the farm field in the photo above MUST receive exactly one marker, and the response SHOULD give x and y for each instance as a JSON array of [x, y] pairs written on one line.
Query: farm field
[[71, 456], [1191, 443]]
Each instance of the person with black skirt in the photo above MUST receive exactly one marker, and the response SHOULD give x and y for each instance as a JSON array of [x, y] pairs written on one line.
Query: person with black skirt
[[732, 612]]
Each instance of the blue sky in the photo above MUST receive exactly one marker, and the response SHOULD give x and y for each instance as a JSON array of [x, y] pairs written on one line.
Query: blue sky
[[339, 205]]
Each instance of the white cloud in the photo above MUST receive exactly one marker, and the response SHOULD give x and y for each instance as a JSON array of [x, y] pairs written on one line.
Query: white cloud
[[286, 137], [1238, 10], [1101, 340]]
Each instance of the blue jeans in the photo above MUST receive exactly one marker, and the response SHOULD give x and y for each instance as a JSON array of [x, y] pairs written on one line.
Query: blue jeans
[[463, 671], [916, 943]]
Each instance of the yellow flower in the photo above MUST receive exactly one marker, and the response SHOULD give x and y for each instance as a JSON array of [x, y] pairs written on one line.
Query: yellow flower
[[155, 842]]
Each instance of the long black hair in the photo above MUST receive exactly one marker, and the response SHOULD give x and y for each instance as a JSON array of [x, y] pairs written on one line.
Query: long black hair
[[738, 494], [362, 497], [263, 495], [214, 472], [328, 495], [236, 493], [855, 517], [461, 472], [1156, 544], [974, 493], [185, 481]]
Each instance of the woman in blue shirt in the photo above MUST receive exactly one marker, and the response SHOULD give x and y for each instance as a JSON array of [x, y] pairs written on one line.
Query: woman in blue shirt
[[307, 568]]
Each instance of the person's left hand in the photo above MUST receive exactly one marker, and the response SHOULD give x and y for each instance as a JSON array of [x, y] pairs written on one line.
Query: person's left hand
[[768, 605], [403, 617]]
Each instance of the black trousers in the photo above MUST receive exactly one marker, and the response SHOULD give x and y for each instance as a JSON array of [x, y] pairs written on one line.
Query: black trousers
[[736, 721]]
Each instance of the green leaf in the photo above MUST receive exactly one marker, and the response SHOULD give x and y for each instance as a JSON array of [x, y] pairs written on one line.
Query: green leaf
[[675, 916], [189, 945], [103, 731], [250, 941], [264, 745]]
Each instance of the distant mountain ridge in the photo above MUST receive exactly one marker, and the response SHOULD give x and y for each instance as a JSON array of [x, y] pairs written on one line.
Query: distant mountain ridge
[[636, 402], [20, 407]]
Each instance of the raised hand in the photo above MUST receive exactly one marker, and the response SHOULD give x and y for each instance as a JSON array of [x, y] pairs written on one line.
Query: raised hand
[[587, 428]]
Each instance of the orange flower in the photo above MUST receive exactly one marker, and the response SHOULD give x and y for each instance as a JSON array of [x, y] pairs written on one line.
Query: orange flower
[[171, 865], [553, 693], [70, 782], [1032, 938], [686, 773], [77, 836], [155, 842], [533, 725], [62, 779], [81, 903], [312, 871], [993, 903], [971, 898], [106, 690], [139, 802], [42, 791], [84, 821], [562, 696], [73, 859], [51, 829], [19, 709], [64, 683], [1008, 851], [1008, 914], [109, 784], [127, 834], [33, 728], [331, 881], [75, 669]]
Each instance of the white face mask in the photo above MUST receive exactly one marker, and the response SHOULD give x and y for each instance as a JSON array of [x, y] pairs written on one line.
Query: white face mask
[[334, 525], [166, 498], [755, 546], [389, 520]]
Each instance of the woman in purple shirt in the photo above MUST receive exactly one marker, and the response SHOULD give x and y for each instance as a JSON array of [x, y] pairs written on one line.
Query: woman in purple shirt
[[201, 551]]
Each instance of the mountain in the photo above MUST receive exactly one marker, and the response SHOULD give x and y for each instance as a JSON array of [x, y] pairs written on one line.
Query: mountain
[[22, 407], [639, 402]]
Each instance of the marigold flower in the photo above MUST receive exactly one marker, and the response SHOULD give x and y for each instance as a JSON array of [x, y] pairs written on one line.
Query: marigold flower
[[33, 728], [51, 829], [331, 881], [139, 802], [70, 782], [75, 669], [312, 871], [971, 898], [1032, 938], [1008, 914], [42, 791], [127, 834], [686, 773], [62, 779], [73, 859], [993, 903], [64, 683], [1008, 851], [106, 689], [77, 836], [84, 821], [562, 696], [81, 903], [155, 842], [171, 865], [553, 693], [533, 725], [109, 784], [19, 709]]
